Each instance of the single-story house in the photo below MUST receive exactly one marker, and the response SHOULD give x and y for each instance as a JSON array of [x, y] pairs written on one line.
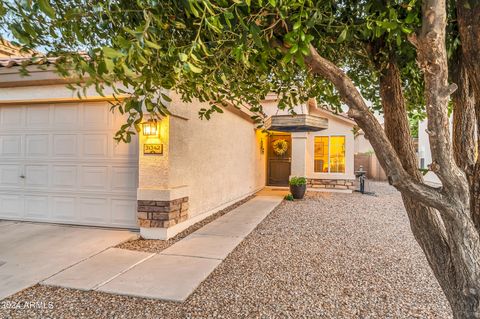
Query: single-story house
[[60, 163]]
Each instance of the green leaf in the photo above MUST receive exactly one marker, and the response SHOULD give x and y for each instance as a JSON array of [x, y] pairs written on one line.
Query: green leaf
[[273, 3], [109, 65], [183, 57], [152, 45], [294, 48], [194, 68], [46, 8], [217, 109], [128, 71], [193, 9], [297, 25], [305, 50], [111, 53], [149, 105], [342, 36], [166, 97], [19, 34], [410, 17]]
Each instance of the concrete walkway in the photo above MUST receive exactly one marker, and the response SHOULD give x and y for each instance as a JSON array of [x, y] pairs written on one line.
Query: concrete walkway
[[31, 252], [177, 271]]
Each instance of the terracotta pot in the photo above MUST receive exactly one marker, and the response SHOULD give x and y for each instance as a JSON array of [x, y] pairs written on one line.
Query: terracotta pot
[[298, 191]]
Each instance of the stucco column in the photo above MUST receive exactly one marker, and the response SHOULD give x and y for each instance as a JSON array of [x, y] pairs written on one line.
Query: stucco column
[[160, 207], [299, 154]]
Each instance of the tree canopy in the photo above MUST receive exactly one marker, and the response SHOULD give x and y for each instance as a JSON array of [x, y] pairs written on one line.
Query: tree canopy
[[218, 51]]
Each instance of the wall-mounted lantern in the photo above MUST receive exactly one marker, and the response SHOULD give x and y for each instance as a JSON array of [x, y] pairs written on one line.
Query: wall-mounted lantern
[[150, 128]]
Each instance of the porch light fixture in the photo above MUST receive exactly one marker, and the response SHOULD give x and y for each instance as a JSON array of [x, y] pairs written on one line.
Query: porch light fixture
[[150, 128]]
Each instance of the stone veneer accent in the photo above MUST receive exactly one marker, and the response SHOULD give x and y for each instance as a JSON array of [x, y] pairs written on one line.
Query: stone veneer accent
[[162, 214], [331, 183]]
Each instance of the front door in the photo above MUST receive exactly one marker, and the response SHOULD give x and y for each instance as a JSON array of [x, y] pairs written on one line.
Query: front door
[[279, 159]]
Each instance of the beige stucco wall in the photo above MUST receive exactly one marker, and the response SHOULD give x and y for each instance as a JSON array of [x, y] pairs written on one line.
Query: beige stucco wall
[[153, 170], [220, 159], [362, 145]]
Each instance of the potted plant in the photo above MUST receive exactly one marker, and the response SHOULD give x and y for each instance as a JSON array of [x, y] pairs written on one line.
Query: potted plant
[[298, 186]]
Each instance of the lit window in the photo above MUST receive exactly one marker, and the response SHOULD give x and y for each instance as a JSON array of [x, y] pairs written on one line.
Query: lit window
[[321, 154], [329, 155]]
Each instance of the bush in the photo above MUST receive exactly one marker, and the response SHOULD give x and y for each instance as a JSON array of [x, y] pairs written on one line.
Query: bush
[[288, 197], [297, 181]]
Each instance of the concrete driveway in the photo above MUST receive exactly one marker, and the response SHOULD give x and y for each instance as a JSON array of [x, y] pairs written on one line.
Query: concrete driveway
[[31, 252]]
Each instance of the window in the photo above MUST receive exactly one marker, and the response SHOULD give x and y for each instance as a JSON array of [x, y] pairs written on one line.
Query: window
[[329, 154], [321, 154]]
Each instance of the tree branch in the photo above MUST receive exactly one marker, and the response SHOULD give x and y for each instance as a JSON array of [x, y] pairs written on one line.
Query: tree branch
[[432, 58], [359, 111]]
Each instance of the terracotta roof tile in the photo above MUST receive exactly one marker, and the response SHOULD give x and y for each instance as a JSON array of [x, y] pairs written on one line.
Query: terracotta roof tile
[[19, 61]]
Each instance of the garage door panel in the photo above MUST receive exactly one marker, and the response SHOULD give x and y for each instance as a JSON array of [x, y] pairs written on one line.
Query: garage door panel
[[12, 117], [96, 118], [74, 171], [94, 177], [38, 116], [36, 175], [65, 145], [10, 175], [36, 207], [95, 210], [64, 208], [121, 211], [37, 145], [11, 146], [64, 177], [122, 178], [11, 206], [95, 145], [65, 116]]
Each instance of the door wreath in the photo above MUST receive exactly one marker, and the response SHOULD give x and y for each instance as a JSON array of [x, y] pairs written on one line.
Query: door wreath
[[280, 146]]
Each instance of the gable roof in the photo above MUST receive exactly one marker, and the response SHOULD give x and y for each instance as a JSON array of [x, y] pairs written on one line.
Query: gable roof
[[312, 104]]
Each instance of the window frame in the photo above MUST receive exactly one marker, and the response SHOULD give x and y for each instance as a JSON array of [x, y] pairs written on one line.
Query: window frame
[[328, 153]]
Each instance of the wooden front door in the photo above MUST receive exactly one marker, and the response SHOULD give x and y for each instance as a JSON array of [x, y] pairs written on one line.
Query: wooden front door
[[278, 162]]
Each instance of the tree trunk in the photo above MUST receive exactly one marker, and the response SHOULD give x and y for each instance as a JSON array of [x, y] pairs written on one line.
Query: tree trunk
[[468, 17], [463, 116], [463, 238], [422, 217], [458, 266], [464, 144]]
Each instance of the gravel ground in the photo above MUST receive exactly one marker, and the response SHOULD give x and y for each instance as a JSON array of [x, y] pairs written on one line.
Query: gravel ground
[[328, 256], [156, 246]]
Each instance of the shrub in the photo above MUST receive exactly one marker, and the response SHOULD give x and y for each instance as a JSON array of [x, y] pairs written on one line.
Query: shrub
[[297, 181], [288, 197]]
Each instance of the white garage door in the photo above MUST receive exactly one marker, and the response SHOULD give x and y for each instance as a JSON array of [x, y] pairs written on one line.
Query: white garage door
[[60, 164]]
